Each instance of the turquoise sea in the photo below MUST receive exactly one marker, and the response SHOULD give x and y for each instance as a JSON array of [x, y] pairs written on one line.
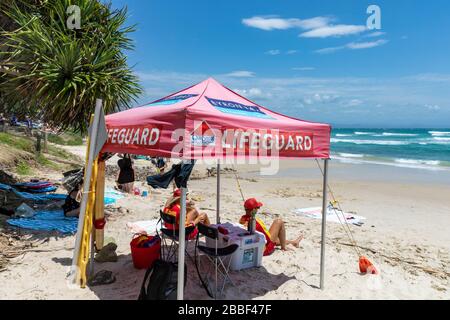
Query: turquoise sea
[[413, 148]]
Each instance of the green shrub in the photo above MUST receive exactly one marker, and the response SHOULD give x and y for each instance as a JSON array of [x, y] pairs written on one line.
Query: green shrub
[[17, 142], [23, 169], [66, 139]]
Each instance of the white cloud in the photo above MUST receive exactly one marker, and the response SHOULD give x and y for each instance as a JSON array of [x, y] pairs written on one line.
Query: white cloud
[[273, 52], [252, 93], [354, 103], [269, 23], [303, 68], [353, 46], [320, 98], [314, 23], [430, 77], [434, 107], [329, 50], [291, 52], [241, 74], [375, 34], [366, 45], [316, 27], [333, 31]]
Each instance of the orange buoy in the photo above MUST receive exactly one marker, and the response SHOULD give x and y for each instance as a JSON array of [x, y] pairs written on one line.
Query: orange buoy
[[365, 266]]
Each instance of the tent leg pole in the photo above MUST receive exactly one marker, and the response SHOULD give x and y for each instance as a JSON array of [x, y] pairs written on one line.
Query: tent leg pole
[[181, 245], [324, 223], [218, 194]]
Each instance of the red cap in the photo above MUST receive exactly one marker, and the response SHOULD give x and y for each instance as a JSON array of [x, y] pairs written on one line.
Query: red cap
[[177, 193], [252, 203]]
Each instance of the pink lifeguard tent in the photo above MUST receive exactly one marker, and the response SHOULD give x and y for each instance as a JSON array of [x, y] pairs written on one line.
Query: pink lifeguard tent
[[149, 130], [210, 121]]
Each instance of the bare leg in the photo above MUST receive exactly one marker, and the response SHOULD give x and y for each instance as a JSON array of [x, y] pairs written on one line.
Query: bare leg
[[278, 235], [202, 218], [205, 219], [194, 216], [191, 215]]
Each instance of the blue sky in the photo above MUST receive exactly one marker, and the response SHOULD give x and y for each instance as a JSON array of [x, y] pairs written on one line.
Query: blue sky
[[314, 60]]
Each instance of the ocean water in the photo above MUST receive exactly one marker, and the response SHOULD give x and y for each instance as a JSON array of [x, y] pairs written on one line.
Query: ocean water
[[412, 148]]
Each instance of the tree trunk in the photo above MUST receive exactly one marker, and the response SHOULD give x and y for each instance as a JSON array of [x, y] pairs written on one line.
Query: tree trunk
[[45, 140], [38, 143]]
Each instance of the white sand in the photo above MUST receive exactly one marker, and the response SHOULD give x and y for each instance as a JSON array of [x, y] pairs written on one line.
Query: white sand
[[407, 228]]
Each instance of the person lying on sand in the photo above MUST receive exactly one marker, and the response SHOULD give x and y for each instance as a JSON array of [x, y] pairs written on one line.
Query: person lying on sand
[[193, 216], [275, 235]]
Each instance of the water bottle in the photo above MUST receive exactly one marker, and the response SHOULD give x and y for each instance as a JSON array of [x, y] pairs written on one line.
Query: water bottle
[[252, 225]]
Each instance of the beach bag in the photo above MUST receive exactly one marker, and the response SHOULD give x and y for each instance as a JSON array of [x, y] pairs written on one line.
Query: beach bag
[[161, 281]]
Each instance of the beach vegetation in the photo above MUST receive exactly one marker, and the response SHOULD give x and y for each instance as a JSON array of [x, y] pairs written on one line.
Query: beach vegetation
[[17, 142], [56, 73], [23, 169], [66, 139], [21, 151]]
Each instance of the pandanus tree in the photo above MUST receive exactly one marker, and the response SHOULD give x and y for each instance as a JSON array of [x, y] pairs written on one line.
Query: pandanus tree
[[57, 72]]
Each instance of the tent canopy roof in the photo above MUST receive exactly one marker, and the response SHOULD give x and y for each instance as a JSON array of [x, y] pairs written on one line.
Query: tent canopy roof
[[209, 116]]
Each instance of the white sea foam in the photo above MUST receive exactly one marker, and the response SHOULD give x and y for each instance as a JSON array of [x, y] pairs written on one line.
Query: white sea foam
[[439, 133], [343, 135], [360, 133], [423, 142], [441, 138], [351, 155], [418, 162], [377, 142], [392, 134], [433, 165]]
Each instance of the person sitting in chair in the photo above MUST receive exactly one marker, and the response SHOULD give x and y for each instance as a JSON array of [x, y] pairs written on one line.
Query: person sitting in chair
[[275, 235], [193, 216]]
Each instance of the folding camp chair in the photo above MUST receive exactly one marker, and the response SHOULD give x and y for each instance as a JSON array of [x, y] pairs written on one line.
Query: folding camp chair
[[217, 256], [170, 238]]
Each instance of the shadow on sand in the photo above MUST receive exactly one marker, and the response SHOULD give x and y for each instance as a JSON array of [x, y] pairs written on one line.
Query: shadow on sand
[[129, 280]]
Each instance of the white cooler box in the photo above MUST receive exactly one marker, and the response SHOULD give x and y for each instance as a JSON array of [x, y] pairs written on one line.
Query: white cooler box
[[251, 246]]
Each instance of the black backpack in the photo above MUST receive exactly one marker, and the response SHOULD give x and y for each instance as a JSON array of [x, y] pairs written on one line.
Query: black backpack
[[162, 281]]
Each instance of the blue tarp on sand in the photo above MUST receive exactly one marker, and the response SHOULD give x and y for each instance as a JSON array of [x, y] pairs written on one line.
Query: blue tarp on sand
[[34, 197], [52, 220], [47, 221], [110, 195]]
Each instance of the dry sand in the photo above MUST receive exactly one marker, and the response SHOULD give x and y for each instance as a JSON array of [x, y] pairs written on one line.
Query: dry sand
[[406, 235]]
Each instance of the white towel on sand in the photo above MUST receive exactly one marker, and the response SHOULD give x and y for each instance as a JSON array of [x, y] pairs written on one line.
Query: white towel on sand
[[148, 227], [332, 215]]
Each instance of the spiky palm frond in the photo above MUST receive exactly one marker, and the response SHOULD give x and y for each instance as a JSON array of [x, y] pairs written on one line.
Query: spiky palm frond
[[58, 73]]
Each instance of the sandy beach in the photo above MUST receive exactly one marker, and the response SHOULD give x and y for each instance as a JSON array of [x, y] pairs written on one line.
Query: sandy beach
[[95, 96], [405, 235]]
